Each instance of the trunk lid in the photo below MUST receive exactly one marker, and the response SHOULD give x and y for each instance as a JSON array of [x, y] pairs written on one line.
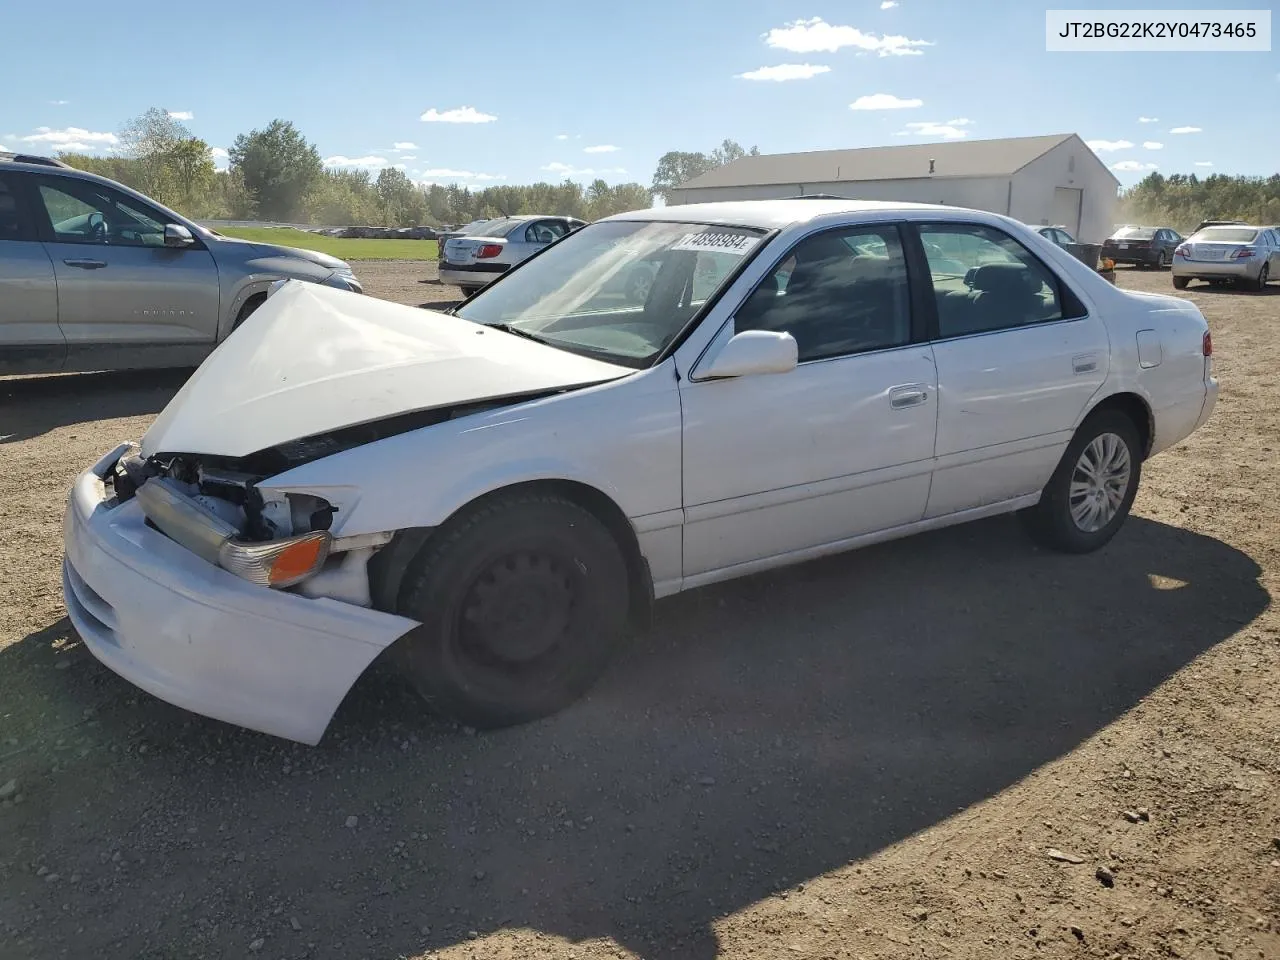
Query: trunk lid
[[463, 250]]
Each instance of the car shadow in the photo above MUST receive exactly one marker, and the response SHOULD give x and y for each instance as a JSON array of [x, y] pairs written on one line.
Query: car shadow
[[32, 406], [1272, 289], [764, 732]]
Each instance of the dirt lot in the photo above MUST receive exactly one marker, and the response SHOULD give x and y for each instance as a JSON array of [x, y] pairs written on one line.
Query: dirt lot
[[868, 756]]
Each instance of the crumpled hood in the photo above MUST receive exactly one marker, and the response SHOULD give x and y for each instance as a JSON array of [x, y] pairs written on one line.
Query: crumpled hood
[[313, 359]]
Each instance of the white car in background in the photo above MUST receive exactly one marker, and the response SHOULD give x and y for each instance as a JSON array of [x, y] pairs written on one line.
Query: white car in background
[[475, 259], [494, 492]]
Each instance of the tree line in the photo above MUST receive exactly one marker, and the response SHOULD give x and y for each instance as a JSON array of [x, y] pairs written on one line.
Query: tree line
[[276, 174], [1181, 201]]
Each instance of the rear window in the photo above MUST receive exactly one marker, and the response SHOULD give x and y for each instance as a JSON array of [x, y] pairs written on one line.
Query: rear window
[[495, 228], [1226, 235], [1133, 233]]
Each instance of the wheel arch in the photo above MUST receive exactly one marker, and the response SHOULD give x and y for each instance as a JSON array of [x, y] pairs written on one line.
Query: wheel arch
[[388, 566], [1136, 408]]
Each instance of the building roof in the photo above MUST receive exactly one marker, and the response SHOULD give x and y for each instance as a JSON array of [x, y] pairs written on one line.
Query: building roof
[[958, 158]]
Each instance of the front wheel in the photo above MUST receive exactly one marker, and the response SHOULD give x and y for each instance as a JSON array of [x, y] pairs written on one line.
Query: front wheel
[[522, 602], [1089, 495]]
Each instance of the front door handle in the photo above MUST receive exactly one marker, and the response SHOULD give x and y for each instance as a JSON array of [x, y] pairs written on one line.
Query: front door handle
[[908, 395], [84, 263], [1085, 363]]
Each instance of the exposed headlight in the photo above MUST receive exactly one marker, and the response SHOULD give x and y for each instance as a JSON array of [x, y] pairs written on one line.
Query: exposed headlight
[[276, 563]]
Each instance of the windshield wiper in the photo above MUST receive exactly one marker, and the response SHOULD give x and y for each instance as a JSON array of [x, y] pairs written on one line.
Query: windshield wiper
[[508, 328]]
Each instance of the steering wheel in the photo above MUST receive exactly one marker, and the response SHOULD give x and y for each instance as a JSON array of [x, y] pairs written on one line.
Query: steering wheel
[[97, 225]]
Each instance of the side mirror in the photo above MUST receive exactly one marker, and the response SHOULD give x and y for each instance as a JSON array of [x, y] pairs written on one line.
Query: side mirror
[[753, 352], [176, 235]]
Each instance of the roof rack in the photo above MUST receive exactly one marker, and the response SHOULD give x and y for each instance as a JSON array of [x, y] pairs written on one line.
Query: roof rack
[[34, 158]]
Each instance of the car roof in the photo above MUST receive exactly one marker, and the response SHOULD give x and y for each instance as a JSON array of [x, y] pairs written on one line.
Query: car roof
[[775, 214]]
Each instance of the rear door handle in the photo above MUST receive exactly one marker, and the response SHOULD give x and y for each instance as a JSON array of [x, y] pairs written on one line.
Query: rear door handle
[[908, 395], [1085, 363], [84, 263]]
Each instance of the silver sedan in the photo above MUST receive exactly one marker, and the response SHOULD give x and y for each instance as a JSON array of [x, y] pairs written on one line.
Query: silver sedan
[[1228, 254], [473, 261]]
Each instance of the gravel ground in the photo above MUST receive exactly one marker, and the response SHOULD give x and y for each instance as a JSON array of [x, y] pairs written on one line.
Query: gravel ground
[[955, 746]]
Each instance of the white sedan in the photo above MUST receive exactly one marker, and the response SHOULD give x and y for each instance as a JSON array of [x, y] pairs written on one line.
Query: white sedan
[[495, 492]]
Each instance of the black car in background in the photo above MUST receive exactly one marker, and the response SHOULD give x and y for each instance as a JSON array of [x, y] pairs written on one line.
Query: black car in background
[[1142, 246]]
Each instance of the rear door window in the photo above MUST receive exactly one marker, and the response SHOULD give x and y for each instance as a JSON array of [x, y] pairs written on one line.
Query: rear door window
[[14, 224]]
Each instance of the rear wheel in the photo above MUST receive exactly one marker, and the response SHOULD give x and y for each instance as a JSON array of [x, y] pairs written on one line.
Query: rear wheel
[[469, 291], [1180, 283], [1089, 496], [1162, 260], [1263, 277], [522, 600]]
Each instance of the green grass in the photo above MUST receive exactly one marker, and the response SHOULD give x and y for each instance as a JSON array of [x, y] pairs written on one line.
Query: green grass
[[335, 247]]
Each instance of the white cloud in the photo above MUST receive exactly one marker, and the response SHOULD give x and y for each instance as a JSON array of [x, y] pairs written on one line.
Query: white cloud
[[409, 156], [1104, 146], [341, 161], [888, 4], [1148, 119], [962, 122], [884, 101], [602, 148], [458, 115], [181, 115], [1152, 145], [71, 138], [812, 36], [784, 71], [931, 128], [219, 153], [562, 136], [4, 149], [1133, 166], [59, 103], [1185, 130], [400, 166], [569, 170], [1204, 163], [444, 173], [404, 145]]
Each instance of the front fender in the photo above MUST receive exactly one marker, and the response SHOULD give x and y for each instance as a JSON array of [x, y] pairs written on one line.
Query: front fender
[[262, 272]]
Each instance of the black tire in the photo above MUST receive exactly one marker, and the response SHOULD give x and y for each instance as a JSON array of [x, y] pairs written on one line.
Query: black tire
[[523, 601], [1050, 522], [1162, 260], [469, 291], [250, 305], [1263, 276], [1180, 283]]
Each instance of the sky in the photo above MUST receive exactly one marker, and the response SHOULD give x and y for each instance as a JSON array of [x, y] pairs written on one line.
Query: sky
[[509, 92]]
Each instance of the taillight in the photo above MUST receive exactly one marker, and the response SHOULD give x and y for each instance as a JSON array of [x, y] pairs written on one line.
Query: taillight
[[489, 250], [1244, 253], [1206, 344]]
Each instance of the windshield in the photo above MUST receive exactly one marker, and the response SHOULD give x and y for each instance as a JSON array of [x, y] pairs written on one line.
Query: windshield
[[1226, 235], [617, 290], [1133, 233]]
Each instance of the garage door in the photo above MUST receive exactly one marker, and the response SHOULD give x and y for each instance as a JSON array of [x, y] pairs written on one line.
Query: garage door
[[1066, 209]]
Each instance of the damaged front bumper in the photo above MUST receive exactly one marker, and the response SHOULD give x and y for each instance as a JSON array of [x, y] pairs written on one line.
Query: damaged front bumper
[[200, 637]]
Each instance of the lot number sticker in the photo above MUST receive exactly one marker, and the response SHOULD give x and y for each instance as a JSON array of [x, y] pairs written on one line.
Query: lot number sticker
[[731, 243]]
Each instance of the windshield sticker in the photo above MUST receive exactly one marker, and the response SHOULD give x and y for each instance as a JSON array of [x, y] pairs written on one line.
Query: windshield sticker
[[731, 243]]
